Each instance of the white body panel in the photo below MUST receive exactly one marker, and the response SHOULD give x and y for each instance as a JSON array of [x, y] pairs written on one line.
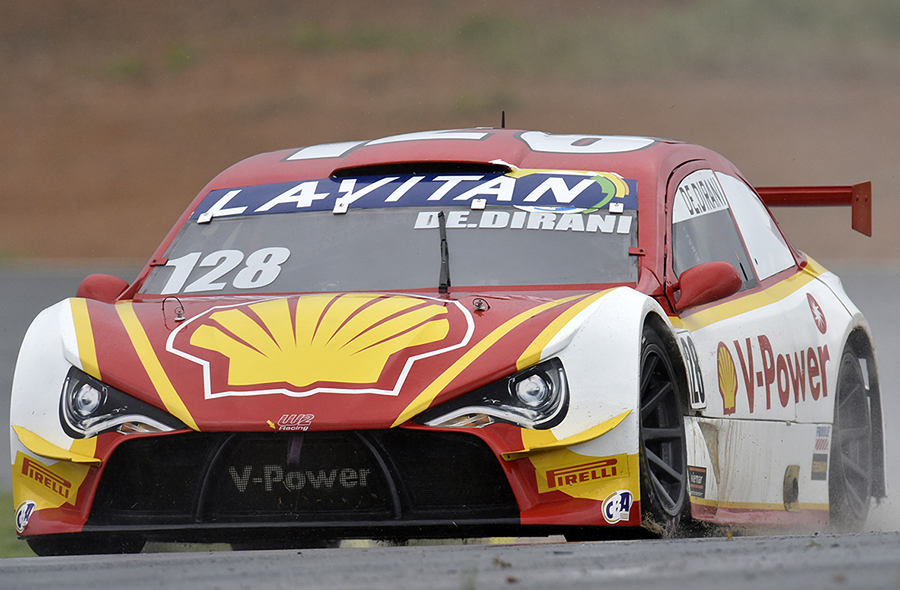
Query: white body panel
[[48, 351]]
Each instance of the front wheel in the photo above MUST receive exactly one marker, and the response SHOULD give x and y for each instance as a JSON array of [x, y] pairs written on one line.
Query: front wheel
[[664, 498]]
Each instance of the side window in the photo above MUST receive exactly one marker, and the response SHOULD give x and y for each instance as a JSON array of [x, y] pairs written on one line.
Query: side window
[[769, 252], [703, 229]]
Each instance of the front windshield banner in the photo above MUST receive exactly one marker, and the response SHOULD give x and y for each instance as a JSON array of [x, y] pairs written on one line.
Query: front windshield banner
[[535, 188], [526, 228]]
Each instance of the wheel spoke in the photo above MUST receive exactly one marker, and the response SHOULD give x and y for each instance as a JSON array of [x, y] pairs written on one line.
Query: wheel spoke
[[861, 471], [657, 434], [648, 370], [852, 391], [650, 405], [854, 498], [662, 465], [662, 491], [849, 435]]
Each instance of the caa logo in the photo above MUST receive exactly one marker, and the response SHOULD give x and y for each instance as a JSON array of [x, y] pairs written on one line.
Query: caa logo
[[617, 506], [23, 515]]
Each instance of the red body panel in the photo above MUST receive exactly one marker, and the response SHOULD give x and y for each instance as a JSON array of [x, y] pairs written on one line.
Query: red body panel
[[334, 405]]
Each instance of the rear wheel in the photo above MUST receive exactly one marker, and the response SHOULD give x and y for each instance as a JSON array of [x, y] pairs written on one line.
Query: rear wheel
[[851, 473], [664, 498]]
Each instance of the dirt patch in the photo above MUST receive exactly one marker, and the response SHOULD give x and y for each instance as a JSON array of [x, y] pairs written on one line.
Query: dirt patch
[[114, 115]]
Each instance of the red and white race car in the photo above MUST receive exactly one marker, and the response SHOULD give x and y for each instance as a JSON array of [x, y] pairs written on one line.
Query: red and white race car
[[451, 333]]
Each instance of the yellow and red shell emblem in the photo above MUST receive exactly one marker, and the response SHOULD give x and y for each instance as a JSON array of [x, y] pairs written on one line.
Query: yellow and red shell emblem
[[299, 346], [727, 378]]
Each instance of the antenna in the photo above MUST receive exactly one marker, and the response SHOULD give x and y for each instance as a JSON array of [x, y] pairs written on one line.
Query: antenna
[[502, 119]]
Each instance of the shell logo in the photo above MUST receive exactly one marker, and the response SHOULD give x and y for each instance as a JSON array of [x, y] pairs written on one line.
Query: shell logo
[[334, 342], [727, 378], [817, 313]]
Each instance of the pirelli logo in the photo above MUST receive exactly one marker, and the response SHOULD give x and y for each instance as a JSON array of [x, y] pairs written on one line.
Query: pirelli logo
[[42, 475], [607, 468]]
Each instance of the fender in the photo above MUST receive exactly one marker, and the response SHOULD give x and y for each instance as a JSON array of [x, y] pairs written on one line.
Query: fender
[[600, 348], [858, 337], [49, 349]]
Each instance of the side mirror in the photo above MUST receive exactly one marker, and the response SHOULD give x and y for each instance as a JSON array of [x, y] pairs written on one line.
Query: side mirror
[[105, 288], [706, 283]]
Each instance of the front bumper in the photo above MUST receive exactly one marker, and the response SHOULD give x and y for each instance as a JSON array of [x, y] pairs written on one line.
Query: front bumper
[[241, 487]]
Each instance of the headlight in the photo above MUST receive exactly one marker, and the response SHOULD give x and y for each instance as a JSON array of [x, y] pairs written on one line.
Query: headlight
[[535, 398], [89, 407], [534, 391], [86, 400]]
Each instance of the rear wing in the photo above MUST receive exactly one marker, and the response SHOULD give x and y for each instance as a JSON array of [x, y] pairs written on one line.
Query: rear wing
[[857, 196]]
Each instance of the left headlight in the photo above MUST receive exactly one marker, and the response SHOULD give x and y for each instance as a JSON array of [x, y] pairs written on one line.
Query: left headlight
[[89, 407], [535, 398]]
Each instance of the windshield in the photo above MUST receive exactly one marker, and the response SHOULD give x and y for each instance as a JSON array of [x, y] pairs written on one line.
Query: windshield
[[395, 247]]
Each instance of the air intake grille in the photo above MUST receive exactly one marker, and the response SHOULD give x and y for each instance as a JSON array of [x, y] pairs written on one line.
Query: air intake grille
[[304, 477]]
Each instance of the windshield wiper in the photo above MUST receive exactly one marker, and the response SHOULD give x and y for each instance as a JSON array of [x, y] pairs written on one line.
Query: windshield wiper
[[444, 280]]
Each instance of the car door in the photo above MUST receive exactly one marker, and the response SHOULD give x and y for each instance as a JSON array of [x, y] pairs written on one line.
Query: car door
[[738, 343], [801, 372]]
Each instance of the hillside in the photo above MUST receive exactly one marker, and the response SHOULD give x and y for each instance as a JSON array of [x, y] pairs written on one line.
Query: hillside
[[115, 114]]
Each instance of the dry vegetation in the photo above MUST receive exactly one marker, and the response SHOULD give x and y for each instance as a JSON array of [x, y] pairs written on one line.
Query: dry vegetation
[[115, 114]]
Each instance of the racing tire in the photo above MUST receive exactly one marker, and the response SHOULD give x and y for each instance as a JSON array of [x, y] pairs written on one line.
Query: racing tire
[[663, 454], [851, 472], [83, 544]]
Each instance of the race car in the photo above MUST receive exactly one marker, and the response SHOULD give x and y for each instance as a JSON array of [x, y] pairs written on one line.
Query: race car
[[471, 332]]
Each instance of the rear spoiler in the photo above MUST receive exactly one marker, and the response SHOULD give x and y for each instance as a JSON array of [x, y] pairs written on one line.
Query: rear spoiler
[[857, 196]]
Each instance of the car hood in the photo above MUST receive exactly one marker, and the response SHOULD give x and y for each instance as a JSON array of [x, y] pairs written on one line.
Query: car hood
[[317, 362]]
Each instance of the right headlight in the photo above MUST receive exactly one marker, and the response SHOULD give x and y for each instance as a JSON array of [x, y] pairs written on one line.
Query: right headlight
[[535, 398], [89, 407]]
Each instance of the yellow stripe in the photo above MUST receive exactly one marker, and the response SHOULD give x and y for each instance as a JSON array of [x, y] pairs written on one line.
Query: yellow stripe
[[151, 363], [755, 505], [84, 336], [582, 437], [424, 399], [532, 354], [730, 309], [41, 446]]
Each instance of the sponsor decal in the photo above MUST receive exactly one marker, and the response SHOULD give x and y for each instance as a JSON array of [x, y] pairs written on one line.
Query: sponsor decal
[[42, 474], [697, 481], [292, 423], [819, 466], [301, 346], [823, 438], [23, 515], [727, 378], [277, 475], [617, 506], [779, 375], [582, 191], [817, 313], [537, 141], [528, 220], [692, 367], [606, 468], [259, 269], [698, 194]]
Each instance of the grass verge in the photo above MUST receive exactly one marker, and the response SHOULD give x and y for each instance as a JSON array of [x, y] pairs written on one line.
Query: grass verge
[[10, 546]]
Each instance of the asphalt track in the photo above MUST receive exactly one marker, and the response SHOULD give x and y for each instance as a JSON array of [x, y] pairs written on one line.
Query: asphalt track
[[821, 562], [869, 560]]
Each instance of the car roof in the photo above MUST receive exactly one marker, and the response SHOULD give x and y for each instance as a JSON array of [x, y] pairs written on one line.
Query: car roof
[[634, 157], [647, 161]]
